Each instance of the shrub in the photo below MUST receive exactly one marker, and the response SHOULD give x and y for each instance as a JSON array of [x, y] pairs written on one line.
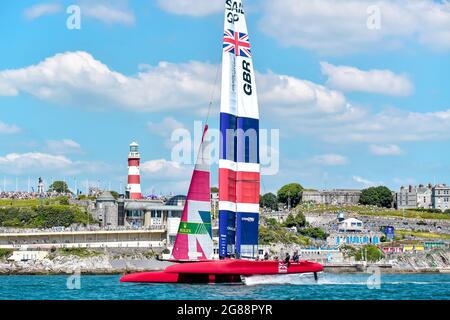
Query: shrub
[[42, 216], [298, 221], [369, 253], [78, 252], [315, 233], [5, 253]]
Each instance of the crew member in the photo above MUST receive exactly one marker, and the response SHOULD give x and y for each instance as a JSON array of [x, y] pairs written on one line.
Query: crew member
[[287, 259], [295, 257]]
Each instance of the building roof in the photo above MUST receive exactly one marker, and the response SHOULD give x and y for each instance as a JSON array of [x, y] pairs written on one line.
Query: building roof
[[106, 196], [176, 200], [350, 220], [134, 144]]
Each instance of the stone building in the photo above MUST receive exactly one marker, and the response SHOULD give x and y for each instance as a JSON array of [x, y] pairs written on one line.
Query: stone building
[[106, 210], [441, 197], [332, 197], [415, 197]]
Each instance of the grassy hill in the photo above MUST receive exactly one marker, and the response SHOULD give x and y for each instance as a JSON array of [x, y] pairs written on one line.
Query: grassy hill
[[372, 211], [37, 213]]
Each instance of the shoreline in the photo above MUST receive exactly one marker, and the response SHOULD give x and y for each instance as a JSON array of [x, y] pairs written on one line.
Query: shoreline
[[327, 269]]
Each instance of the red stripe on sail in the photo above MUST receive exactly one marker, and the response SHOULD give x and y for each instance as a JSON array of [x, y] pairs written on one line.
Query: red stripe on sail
[[180, 249], [247, 187], [227, 185], [248, 192], [199, 189]]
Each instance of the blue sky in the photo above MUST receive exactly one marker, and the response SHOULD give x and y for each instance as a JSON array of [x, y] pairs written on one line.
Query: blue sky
[[355, 105]]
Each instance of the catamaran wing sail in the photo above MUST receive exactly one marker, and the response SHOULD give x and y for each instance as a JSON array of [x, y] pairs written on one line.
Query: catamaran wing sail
[[239, 169], [194, 237]]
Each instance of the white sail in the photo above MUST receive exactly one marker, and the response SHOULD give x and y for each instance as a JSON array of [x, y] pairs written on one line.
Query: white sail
[[239, 124]]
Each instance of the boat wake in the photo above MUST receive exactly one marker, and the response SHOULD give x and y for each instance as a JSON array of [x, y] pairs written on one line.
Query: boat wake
[[324, 279], [304, 279]]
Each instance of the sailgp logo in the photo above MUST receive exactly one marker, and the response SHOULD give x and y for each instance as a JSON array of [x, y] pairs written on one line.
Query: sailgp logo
[[248, 219], [234, 9]]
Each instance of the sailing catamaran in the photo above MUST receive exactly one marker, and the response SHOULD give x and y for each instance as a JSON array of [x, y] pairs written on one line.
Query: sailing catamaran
[[239, 183]]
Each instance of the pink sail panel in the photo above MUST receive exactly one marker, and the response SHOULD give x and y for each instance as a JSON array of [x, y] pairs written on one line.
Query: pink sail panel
[[194, 237]]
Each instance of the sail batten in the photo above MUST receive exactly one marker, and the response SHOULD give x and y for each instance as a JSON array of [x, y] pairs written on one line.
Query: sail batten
[[239, 170]]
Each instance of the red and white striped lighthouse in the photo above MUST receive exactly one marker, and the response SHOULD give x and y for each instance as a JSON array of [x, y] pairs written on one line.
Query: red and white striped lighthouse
[[134, 177]]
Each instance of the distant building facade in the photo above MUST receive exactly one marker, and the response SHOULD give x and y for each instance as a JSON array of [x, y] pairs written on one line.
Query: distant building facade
[[332, 197], [425, 197], [412, 197], [441, 197]]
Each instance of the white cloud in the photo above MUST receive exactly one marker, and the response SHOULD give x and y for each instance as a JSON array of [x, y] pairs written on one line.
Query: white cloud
[[42, 9], [65, 146], [165, 170], [195, 8], [8, 128], [336, 27], [292, 96], [329, 160], [389, 125], [76, 78], [366, 182], [387, 150], [107, 13], [164, 128], [347, 78], [39, 163], [296, 105]]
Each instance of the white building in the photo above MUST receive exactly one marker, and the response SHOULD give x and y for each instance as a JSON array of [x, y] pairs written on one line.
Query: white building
[[350, 225], [441, 197], [24, 255]]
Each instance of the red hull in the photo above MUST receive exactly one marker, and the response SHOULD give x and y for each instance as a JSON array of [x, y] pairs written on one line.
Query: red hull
[[222, 271]]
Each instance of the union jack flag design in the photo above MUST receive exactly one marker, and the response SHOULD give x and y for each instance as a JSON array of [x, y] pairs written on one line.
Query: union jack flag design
[[236, 43]]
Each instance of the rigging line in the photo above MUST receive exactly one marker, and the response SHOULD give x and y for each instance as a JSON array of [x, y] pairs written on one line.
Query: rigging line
[[213, 93]]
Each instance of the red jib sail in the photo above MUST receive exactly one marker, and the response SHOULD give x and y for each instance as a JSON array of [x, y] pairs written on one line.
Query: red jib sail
[[194, 237]]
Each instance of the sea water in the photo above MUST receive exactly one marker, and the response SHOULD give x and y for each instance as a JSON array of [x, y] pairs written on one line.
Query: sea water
[[282, 287]]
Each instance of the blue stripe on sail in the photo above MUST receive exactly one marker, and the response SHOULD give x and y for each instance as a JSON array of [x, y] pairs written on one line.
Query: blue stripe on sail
[[228, 140], [247, 234], [239, 138], [248, 140], [227, 232]]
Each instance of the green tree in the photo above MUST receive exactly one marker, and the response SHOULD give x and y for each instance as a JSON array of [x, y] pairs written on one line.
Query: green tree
[[315, 233], [214, 190], [376, 196], [290, 194], [298, 221], [59, 186], [369, 253], [269, 200]]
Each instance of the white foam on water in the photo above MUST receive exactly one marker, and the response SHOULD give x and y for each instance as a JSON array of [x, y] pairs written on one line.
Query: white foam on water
[[303, 279], [323, 279]]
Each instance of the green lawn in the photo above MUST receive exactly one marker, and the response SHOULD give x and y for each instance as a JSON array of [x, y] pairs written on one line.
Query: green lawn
[[425, 235], [372, 211], [30, 202]]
